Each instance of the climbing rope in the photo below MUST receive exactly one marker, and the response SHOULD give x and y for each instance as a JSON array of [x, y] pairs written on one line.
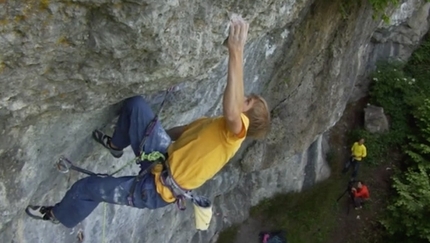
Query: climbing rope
[[104, 222]]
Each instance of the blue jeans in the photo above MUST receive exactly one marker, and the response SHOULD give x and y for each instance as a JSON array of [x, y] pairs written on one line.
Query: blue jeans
[[355, 166], [358, 201], [84, 195], [130, 129]]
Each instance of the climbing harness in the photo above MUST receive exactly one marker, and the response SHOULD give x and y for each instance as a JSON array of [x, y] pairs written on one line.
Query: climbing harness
[[137, 179], [180, 193], [154, 158], [167, 180]]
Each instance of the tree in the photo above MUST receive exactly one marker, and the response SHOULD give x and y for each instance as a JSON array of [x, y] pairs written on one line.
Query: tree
[[409, 212]]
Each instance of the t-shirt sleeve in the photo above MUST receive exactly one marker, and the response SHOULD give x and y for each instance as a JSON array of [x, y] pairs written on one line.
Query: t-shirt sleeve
[[363, 193], [352, 147], [364, 152], [367, 195], [231, 137]]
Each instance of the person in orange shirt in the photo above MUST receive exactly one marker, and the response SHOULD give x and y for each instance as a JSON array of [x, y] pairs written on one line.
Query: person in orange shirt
[[360, 194], [198, 151]]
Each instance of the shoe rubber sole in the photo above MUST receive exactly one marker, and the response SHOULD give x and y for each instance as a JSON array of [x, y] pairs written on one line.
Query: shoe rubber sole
[[98, 137]]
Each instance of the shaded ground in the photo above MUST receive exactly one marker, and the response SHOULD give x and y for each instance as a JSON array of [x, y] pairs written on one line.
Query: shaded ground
[[314, 215], [376, 178]]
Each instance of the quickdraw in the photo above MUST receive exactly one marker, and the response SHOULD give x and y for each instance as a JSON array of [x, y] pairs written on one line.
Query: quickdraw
[[64, 165]]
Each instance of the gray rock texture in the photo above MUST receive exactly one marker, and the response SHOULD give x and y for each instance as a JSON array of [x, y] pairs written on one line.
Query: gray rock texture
[[375, 120], [65, 66], [395, 41]]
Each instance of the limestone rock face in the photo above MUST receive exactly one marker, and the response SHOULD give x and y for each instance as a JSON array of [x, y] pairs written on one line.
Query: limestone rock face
[[375, 120], [397, 40], [65, 66]]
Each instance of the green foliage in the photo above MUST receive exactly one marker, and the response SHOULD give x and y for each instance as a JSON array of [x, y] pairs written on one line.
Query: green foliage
[[308, 215], [377, 145], [312, 215], [347, 7], [419, 68], [410, 207], [397, 94], [419, 145], [410, 210], [402, 91], [228, 235], [419, 57], [379, 7], [391, 87], [408, 214], [44, 4]]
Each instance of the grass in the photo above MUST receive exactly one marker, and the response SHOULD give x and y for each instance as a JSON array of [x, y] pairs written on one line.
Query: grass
[[312, 216], [228, 235], [371, 230], [306, 216]]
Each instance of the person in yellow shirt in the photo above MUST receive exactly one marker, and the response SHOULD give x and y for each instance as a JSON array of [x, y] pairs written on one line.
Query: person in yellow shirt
[[358, 152], [198, 151]]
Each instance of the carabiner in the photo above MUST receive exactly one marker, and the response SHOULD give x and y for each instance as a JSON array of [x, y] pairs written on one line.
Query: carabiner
[[63, 165]]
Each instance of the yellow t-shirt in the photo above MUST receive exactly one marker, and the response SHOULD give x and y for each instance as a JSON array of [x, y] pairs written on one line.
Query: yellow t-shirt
[[358, 151], [200, 152]]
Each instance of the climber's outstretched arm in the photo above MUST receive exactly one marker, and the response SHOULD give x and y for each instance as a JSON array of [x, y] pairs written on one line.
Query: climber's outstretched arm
[[234, 98]]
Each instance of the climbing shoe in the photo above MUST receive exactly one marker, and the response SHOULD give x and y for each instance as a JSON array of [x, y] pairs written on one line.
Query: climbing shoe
[[104, 140], [41, 213]]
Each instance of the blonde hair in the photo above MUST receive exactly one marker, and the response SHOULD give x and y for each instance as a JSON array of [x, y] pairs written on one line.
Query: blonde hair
[[259, 117]]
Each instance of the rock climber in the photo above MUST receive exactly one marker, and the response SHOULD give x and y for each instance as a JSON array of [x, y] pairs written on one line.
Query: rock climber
[[359, 194], [198, 151], [358, 152]]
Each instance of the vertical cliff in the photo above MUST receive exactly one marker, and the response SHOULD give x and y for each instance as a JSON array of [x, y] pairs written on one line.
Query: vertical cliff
[[65, 66]]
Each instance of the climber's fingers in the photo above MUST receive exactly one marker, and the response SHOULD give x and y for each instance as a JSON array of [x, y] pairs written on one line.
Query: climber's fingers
[[238, 33]]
